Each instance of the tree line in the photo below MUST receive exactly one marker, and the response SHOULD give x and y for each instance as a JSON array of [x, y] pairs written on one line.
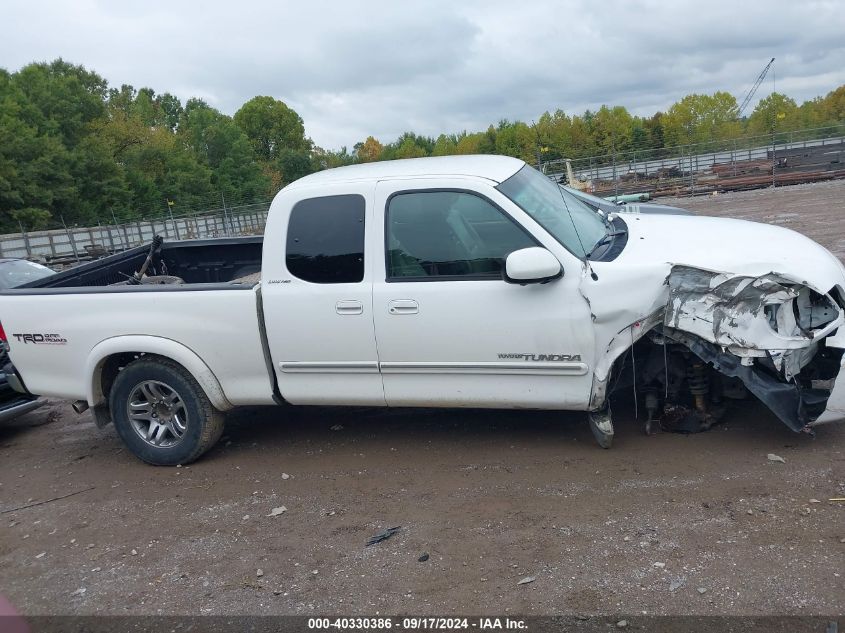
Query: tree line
[[75, 150]]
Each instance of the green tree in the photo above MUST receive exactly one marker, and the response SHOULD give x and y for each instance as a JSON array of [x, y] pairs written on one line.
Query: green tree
[[444, 146], [654, 128], [34, 171], [293, 164], [775, 112], [409, 149], [611, 129], [555, 134], [516, 139], [62, 99], [370, 150], [225, 149], [471, 143], [34, 165], [698, 118], [73, 148], [171, 110], [833, 106], [271, 126], [328, 159]]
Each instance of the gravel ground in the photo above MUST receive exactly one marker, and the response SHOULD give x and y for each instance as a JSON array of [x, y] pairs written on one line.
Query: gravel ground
[[812, 209], [668, 524]]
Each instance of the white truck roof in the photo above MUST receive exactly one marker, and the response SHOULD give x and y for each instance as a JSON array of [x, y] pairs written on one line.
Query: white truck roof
[[496, 168]]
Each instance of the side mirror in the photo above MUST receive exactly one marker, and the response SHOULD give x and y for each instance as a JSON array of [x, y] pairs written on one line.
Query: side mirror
[[531, 266]]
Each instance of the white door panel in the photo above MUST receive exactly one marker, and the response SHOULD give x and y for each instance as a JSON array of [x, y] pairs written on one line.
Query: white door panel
[[321, 335], [479, 342]]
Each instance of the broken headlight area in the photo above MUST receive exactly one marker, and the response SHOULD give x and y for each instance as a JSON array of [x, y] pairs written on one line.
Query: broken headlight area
[[752, 317], [724, 336]]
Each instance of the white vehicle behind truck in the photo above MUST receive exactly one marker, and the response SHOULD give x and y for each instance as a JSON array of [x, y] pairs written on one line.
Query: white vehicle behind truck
[[468, 281]]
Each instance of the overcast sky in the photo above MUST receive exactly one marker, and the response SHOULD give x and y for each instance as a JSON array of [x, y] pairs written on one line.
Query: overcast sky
[[352, 69]]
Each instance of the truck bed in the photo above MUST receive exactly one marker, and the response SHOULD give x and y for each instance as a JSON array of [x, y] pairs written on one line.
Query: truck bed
[[215, 263], [70, 315]]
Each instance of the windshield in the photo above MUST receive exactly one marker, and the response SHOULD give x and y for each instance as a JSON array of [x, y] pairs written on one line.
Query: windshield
[[570, 221], [17, 272]]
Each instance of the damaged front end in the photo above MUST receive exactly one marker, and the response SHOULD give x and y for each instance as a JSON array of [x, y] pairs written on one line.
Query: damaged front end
[[768, 333]]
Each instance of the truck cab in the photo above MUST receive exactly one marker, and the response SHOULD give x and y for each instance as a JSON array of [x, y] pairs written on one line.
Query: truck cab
[[400, 277]]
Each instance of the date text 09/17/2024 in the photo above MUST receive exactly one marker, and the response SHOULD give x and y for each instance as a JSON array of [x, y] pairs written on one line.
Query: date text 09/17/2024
[[417, 623]]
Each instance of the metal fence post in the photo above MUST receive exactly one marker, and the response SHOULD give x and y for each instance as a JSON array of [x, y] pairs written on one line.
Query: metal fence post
[[615, 179], [175, 226], [25, 240], [123, 246], [733, 157], [225, 215], [774, 160], [111, 239], [70, 237], [695, 172], [691, 181]]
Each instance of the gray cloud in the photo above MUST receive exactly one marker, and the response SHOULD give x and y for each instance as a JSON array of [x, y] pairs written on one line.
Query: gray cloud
[[357, 68]]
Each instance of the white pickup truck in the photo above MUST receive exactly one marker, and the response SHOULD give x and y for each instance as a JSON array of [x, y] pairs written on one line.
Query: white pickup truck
[[470, 281]]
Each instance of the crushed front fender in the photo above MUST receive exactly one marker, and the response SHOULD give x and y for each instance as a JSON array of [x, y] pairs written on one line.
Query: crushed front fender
[[768, 331]]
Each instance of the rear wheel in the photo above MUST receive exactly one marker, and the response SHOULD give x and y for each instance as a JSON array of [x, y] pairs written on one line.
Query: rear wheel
[[162, 414]]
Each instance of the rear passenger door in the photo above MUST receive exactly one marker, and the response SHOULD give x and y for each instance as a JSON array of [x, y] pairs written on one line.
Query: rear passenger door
[[317, 298]]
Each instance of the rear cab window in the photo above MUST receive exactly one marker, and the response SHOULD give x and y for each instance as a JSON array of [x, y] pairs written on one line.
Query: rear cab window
[[325, 241]]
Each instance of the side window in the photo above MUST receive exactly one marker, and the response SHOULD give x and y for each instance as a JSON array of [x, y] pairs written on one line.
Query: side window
[[434, 234], [326, 240]]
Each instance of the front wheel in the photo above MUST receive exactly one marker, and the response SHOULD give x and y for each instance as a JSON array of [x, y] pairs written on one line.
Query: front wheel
[[162, 414]]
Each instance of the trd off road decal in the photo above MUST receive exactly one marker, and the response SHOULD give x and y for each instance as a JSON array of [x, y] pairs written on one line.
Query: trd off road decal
[[41, 339], [561, 358]]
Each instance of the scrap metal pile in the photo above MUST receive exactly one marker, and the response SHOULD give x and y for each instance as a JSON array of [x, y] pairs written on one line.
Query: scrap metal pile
[[686, 176]]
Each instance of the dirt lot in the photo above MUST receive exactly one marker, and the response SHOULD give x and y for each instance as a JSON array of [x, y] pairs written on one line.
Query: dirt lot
[[668, 524], [815, 210]]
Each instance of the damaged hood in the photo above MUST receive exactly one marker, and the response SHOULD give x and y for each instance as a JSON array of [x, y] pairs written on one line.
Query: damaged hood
[[726, 245]]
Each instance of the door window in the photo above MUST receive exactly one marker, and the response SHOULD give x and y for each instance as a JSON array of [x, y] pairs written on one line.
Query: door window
[[325, 242], [449, 235]]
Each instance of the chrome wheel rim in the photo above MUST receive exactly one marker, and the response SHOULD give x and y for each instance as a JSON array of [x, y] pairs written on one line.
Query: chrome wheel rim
[[157, 413]]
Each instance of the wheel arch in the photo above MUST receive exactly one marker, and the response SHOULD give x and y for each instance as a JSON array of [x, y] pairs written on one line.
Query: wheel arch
[[108, 355]]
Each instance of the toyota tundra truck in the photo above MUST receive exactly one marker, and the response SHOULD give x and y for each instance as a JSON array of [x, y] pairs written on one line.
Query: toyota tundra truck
[[470, 281]]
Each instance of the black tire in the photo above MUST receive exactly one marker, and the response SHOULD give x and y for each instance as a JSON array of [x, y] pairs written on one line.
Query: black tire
[[203, 424]]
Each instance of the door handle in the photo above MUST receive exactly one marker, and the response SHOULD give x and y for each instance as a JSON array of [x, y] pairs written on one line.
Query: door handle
[[349, 306], [403, 306]]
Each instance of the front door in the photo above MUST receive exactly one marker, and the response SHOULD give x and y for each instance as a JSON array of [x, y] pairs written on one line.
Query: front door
[[449, 330], [317, 299]]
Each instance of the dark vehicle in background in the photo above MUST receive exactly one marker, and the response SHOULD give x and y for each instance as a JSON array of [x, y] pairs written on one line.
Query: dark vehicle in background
[[14, 273]]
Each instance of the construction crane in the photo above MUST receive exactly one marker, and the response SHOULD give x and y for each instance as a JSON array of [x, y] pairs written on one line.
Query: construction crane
[[753, 90]]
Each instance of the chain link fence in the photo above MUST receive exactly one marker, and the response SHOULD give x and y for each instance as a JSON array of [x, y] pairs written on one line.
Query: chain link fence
[[747, 162], [68, 246]]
